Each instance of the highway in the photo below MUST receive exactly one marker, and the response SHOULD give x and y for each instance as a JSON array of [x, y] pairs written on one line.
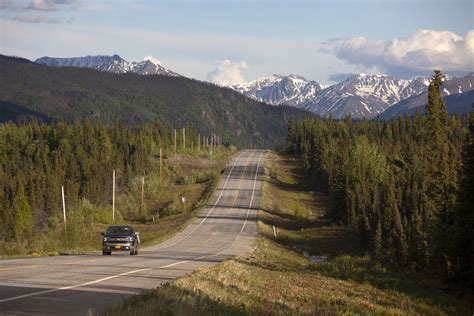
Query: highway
[[78, 284]]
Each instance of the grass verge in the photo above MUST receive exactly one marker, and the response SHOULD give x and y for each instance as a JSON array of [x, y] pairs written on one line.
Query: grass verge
[[278, 279], [190, 175]]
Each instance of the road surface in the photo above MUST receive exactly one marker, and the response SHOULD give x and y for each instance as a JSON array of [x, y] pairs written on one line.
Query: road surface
[[78, 284]]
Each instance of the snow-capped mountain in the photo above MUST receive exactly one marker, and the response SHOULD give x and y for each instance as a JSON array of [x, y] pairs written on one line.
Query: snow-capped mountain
[[457, 92], [278, 90], [364, 96], [361, 96], [115, 64]]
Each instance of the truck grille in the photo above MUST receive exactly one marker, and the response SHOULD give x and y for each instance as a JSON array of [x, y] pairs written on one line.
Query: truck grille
[[119, 241]]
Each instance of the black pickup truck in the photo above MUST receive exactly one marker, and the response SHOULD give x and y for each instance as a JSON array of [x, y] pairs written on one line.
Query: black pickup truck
[[120, 238]]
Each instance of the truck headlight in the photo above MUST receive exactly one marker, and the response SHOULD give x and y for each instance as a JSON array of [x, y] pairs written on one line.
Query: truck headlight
[[130, 238], [106, 239]]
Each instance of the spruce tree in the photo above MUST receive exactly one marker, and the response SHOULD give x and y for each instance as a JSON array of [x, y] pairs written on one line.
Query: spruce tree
[[438, 150], [464, 214], [23, 217]]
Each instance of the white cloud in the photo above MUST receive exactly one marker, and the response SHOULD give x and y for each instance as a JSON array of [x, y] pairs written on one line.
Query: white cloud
[[422, 51], [190, 54], [52, 5], [227, 73]]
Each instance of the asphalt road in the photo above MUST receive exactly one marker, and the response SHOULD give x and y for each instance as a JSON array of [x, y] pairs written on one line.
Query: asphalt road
[[76, 284]]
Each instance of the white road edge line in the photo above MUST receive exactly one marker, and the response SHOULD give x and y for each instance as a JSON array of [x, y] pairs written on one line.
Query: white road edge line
[[248, 210], [72, 286], [241, 230], [210, 211], [147, 269]]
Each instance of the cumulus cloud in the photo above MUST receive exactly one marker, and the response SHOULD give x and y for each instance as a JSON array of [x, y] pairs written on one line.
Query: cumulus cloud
[[228, 73], [420, 52], [52, 5]]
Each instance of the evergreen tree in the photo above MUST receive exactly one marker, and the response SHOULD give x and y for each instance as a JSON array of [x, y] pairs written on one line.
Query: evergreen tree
[[438, 150], [23, 217], [394, 183], [464, 214], [377, 243]]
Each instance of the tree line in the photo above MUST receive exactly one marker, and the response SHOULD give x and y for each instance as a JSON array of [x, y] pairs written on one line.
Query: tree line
[[37, 159], [404, 185], [56, 93]]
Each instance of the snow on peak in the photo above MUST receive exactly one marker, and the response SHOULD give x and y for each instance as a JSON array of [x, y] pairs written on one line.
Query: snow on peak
[[278, 89], [152, 60], [148, 66]]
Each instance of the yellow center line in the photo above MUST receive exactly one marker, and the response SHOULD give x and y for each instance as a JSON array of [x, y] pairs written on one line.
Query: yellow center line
[[238, 190], [83, 261], [232, 207], [22, 267]]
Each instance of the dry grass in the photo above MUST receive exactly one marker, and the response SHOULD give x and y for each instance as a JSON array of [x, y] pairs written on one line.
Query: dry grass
[[190, 176], [278, 280]]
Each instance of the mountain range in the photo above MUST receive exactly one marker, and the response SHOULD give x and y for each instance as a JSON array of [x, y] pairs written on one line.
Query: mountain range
[[360, 95], [114, 64], [30, 90], [458, 95]]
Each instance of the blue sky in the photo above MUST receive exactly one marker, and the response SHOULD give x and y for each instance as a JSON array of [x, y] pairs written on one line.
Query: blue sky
[[233, 41]]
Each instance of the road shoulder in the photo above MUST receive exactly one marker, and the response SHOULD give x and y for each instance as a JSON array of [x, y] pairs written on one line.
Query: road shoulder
[[279, 277]]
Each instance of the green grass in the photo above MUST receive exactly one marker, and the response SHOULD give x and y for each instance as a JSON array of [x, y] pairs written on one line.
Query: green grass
[[162, 203], [277, 279]]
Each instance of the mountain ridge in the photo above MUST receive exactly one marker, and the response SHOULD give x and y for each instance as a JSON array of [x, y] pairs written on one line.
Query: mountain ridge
[[360, 95], [71, 93], [456, 92], [107, 63]]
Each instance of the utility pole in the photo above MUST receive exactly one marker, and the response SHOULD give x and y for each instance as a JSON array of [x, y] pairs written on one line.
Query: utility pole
[[64, 206], [199, 142], [184, 137], [142, 207], [113, 197], [161, 161], [175, 144]]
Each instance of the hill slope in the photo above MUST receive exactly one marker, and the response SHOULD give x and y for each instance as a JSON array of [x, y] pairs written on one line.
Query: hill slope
[[459, 103], [52, 93]]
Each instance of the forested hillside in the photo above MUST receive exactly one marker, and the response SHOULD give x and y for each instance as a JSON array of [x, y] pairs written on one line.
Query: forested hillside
[[36, 159], [50, 93], [404, 185]]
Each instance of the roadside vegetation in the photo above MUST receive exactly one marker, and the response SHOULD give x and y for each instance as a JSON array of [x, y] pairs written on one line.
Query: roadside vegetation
[[405, 186], [81, 157], [279, 278]]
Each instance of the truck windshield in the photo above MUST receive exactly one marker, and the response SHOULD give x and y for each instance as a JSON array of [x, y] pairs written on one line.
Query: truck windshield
[[120, 231]]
